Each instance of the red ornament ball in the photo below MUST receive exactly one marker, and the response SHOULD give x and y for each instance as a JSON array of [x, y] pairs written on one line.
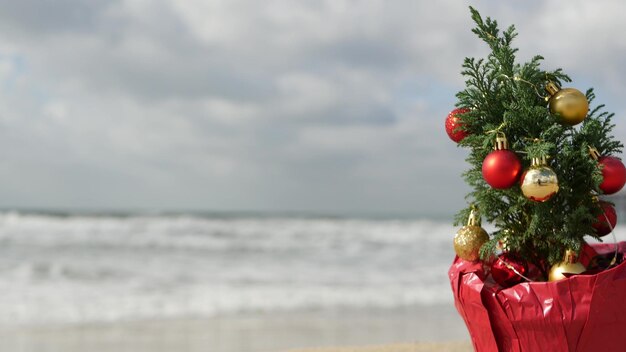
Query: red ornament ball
[[501, 168], [614, 174], [602, 226], [502, 269], [454, 125]]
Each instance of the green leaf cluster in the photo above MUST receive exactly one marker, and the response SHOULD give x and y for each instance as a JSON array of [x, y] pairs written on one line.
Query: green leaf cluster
[[509, 97]]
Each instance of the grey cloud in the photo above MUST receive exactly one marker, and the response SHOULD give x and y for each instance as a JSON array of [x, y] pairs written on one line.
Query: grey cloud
[[325, 105], [47, 17], [146, 61]]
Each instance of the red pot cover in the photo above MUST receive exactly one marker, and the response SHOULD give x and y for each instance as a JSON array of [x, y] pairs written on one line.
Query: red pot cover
[[582, 313]]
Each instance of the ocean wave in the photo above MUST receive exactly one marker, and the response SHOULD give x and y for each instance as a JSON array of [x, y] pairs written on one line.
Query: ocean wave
[[72, 304], [82, 268]]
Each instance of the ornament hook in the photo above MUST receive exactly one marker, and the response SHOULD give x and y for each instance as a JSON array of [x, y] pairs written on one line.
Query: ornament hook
[[501, 142], [539, 161], [552, 88], [474, 218]]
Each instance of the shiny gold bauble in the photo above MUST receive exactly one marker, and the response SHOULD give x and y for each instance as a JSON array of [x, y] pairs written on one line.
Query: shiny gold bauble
[[568, 104], [557, 270], [468, 240], [570, 265], [539, 182]]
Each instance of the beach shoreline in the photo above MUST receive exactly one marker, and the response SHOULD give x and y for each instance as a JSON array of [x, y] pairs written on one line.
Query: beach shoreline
[[420, 328], [465, 346]]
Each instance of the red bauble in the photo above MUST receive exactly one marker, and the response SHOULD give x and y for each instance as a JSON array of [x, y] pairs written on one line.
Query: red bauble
[[501, 168], [454, 125], [602, 226], [502, 269], [614, 174]]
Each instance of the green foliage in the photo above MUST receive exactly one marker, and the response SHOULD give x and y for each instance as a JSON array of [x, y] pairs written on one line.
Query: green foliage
[[509, 97]]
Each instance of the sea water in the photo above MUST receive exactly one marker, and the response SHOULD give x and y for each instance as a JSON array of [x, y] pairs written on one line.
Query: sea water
[[70, 268]]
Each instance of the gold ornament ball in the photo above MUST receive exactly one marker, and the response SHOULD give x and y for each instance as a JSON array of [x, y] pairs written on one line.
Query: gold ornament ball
[[539, 183], [468, 240], [569, 105], [557, 270], [569, 265]]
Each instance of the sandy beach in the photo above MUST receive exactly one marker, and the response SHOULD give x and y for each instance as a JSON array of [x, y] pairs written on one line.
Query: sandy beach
[[423, 329], [409, 347]]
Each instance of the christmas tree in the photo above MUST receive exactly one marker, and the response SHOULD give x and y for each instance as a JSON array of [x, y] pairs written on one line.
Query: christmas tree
[[539, 160]]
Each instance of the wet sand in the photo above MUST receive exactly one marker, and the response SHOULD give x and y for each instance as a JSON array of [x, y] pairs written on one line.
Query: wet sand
[[421, 328], [412, 347]]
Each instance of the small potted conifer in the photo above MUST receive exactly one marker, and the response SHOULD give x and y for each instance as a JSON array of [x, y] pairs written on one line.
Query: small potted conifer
[[542, 163]]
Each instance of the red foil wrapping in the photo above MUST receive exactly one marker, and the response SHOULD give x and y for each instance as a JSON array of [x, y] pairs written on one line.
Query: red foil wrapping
[[581, 313]]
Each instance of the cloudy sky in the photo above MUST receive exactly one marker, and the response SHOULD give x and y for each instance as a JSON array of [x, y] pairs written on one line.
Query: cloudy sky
[[326, 106]]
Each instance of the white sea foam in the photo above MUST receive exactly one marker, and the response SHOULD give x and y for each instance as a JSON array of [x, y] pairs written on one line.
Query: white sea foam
[[78, 269]]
